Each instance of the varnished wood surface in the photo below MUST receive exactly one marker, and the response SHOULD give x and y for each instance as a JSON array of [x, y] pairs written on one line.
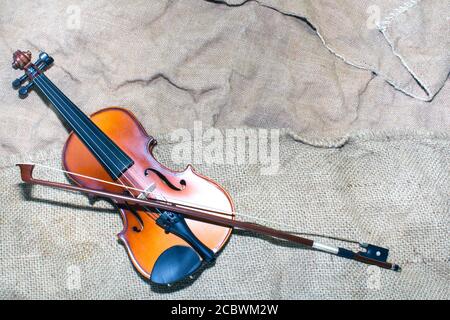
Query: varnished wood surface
[[146, 242]]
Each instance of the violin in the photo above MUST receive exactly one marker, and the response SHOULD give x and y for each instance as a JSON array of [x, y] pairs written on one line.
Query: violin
[[173, 221]]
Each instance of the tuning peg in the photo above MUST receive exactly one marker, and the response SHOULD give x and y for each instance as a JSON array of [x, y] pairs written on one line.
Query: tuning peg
[[21, 60], [18, 82], [23, 91], [45, 57], [44, 61]]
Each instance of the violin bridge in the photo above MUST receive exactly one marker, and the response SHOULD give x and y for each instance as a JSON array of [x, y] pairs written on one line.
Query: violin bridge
[[150, 188]]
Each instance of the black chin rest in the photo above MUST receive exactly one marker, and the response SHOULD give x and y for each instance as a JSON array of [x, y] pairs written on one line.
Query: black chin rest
[[175, 264]]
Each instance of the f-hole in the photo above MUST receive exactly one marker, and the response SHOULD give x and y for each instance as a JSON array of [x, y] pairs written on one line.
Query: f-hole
[[165, 180]]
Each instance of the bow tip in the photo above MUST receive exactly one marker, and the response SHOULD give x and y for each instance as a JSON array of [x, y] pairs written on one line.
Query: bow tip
[[396, 268]]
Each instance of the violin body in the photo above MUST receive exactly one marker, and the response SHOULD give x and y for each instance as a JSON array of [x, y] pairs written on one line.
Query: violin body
[[144, 240]]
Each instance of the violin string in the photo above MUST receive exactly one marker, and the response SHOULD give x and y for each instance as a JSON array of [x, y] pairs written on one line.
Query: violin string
[[129, 171], [39, 82], [80, 127], [50, 91], [137, 177], [239, 214]]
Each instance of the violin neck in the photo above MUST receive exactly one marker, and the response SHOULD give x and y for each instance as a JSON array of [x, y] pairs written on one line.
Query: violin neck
[[112, 158]]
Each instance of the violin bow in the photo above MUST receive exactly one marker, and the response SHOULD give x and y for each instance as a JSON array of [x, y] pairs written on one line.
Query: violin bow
[[370, 254]]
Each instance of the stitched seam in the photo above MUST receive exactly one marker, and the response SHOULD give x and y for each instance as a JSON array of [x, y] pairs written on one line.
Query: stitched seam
[[357, 64]]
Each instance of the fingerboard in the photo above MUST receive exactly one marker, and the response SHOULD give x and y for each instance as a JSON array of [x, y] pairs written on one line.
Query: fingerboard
[[113, 159]]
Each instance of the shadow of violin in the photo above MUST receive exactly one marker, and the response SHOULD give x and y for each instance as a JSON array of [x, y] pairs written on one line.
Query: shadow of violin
[[27, 195], [26, 192], [164, 289]]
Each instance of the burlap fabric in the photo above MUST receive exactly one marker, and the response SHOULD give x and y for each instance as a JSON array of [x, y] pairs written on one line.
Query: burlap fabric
[[389, 189], [403, 41], [323, 69], [172, 62]]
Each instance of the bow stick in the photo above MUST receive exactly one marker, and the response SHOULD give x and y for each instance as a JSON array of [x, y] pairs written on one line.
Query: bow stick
[[371, 254]]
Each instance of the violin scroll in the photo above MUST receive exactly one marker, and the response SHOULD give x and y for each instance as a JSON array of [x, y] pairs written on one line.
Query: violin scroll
[[22, 61]]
